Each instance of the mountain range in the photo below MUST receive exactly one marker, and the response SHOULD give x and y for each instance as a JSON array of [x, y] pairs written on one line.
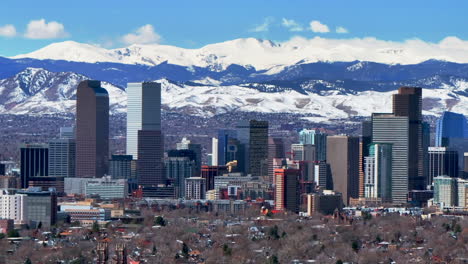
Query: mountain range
[[244, 75]]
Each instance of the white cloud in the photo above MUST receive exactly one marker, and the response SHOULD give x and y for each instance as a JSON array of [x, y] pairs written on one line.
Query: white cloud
[[7, 31], [341, 30], [143, 35], [318, 27], [291, 25], [264, 26], [40, 29]]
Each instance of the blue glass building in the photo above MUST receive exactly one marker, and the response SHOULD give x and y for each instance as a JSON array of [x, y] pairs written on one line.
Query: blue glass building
[[450, 125]]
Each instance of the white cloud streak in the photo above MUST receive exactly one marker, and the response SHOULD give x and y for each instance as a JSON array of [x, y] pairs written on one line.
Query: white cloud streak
[[40, 29], [291, 25], [264, 27], [341, 30], [7, 31], [143, 35], [317, 27]]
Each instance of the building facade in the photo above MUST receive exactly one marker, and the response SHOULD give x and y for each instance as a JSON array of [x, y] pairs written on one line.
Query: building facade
[[34, 162], [92, 130], [195, 188], [62, 159], [287, 190]]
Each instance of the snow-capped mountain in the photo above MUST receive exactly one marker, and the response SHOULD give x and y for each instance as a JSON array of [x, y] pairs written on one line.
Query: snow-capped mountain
[[262, 55], [38, 91]]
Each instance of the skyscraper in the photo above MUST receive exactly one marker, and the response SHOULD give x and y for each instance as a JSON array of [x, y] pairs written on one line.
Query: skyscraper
[[378, 172], [304, 155], [388, 128], [224, 135], [62, 158], [92, 130], [450, 125], [254, 135], [34, 162], [150, 158], [121, 166], [275, 151], [442, 162], [186, 144], [317, 138], [214, 152], [143, 112], [177, 170], [343, 157], [408, 102], [287, 189]]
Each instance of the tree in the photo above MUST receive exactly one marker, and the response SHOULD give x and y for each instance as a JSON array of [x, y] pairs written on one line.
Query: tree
[[39, 226], [185, 250], [2, 235], [27, 261], [13, 233], [160, 221], [226, 250], [95, 228], [355, 246], [339, 261], [273, 260], [273, 232]]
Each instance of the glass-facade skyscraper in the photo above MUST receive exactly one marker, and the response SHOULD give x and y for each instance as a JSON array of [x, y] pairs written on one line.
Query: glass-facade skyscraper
[[450, 125], [143, 112], [317, 138]]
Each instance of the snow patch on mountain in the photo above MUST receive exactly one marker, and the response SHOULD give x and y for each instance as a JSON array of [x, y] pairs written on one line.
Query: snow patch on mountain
[[263, 54]]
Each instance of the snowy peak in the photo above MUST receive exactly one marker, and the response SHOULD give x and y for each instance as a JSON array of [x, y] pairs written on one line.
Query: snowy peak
[[263, 54]]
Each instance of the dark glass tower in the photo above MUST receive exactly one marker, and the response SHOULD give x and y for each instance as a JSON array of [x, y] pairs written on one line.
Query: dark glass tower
[[223, 141], [450, 125], [408, 103], [34, 162], [92, 130], [150, 158], [254, 135]]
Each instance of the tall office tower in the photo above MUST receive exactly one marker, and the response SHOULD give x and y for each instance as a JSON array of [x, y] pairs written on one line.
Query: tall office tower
[[366, 140], [275, 151], [378, 172], [195, 188], [287, 190], [343, 157], [445, 191], [214, 152], [120, 166], [462, 191], [186, 144], [150, 162], [143, 112], [317, 138], [322, 176], [67, 132], [254, 135], [442, 162], [408, 102], [388, 128], [210, 172], [92, 130], [62, 158], [450, 125], [304, 155], [34, 162], [426, 132], [224, 136], [177, 170]]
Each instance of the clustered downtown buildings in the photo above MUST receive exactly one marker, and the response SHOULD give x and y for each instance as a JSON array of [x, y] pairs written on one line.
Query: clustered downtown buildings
[[392, 162]]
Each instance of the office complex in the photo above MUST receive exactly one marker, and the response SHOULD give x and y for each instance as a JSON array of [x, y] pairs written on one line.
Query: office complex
[[287, 190], [304, 155], [343, 158], [92, 130], [120, 167], [322, 176], [316, 138], [450, 125], [34, 162], [378, 172], [143, 112], [254, 135], [442, 162], [275, 151], [177, 170], [107, 188], [62, 158], [445, 191], [186, 144], [326, 202], [150, 158], [391, 129], [408, 103], [195, 188], [224, 135]]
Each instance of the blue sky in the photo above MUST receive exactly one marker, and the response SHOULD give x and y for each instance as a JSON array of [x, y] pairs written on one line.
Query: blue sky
[[28, 25]]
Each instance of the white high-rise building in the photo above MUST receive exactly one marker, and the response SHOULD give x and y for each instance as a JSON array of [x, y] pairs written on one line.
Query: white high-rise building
[[12, 206], [143, 112], [214, 152]]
